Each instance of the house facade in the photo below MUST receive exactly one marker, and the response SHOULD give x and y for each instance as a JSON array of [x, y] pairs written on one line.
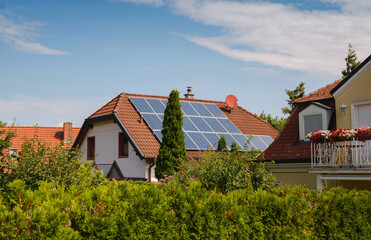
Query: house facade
[[343, 104], [123, 137]]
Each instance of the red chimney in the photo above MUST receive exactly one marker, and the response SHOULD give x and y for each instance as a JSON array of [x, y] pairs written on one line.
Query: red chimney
[[67, 132]]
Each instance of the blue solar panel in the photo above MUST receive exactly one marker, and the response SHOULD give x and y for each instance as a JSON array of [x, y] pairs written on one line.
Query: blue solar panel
[[156, 105], [258, 143], [242, 141], [267, 139], [188, 142], [161, 116], [200, 140], [188, 125], [214, 110], [201, 124], [215, 125], [153, 121], [159, 135], [200, 108], [228, 139], [229, 125], [141, 105], [188, 109], [213, 139]]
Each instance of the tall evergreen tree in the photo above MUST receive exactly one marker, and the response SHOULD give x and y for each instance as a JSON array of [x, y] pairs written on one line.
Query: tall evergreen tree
[[222, 144], [297, 93], [351, 62], [235, 148], [172, 149]]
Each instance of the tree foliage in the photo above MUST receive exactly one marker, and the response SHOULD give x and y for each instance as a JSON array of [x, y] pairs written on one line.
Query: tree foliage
[[351, 62], [172, 150], [297, 93], [275, 122], [222, 144], [226, 171], [38, 162]]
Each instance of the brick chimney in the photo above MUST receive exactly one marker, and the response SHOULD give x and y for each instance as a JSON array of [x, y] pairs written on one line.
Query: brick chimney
[[189, 93], [67, 132]]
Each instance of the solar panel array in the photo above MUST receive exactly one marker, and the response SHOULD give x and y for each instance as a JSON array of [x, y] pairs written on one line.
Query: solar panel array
[[203, 125]]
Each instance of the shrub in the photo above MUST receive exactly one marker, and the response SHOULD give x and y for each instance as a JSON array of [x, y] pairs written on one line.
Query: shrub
[[225, 171]]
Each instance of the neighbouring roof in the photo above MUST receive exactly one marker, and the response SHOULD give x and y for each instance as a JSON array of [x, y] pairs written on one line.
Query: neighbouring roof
[[286, 147], [145, 139], [322, 93], [48, 134]]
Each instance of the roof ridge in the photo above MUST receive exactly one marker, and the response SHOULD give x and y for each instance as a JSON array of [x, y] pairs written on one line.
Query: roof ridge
[[319, 91], [166, 97], [118, 101], [113, 99]]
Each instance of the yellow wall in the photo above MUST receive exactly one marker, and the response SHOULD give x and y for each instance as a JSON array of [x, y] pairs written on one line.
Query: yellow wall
[[359, 90], [304, 179]]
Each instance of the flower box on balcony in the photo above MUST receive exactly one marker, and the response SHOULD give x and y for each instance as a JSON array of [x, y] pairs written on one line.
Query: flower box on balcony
[[321, 136]]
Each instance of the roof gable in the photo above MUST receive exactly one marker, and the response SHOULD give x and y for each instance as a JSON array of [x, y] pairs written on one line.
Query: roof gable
[[352, 77], [320, 94]]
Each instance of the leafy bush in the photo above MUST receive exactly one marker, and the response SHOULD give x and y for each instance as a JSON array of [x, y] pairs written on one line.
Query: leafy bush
[[225, 171], [39, 162], [126, 210]]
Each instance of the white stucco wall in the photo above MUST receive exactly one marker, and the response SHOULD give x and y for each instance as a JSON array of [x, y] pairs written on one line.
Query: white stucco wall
[[313, 110], [106, 147]]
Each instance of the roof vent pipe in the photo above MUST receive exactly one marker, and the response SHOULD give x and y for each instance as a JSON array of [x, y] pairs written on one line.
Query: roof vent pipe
[[189, 93]]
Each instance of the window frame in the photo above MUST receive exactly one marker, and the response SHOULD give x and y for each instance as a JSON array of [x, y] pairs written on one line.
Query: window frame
[[313, 109], [88, 154], [121, 145]]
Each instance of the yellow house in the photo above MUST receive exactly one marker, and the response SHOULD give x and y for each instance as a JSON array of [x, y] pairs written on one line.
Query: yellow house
[[345, 104]]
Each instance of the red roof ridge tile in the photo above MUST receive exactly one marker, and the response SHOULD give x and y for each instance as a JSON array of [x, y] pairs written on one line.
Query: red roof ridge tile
[[106, 105], [166, 97], [321, 93], [118, 102]]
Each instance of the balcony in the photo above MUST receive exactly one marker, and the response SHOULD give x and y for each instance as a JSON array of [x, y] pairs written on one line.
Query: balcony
[[342, 154]]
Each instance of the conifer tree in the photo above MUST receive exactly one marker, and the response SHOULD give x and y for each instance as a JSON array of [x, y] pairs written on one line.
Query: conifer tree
[[222, 144], [235, 148], [297, 93], [351, 62], [172, 150]]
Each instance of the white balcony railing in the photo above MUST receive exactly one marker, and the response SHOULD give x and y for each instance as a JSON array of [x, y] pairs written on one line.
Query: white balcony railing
[[353, 153]]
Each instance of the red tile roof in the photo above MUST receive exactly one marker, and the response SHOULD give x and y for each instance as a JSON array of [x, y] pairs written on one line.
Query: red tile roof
[[285, 146], [48, 134], [143, 136], [322, 93]]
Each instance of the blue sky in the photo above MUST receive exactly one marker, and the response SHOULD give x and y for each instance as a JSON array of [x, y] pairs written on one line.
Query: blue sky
[[62, 60]]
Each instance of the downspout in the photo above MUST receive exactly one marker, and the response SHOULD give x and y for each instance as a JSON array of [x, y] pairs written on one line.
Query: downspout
[[150, 169]]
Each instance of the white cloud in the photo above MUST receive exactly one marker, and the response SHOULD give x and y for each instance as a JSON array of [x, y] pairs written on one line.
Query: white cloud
[[156, 3], [26, 109], [282, 35], [20, 35]]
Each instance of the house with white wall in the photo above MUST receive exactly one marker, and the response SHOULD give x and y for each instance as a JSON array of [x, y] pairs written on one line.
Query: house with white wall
[[123, 137]]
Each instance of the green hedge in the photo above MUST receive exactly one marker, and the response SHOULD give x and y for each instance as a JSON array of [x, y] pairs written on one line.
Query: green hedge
[[125, 210]]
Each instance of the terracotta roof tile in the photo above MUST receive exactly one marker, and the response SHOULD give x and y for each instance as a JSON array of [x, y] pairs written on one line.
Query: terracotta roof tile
[[322, 93], [143, 136], [48, 134]]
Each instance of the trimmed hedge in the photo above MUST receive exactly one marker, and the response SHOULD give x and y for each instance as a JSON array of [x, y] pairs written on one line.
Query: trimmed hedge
[[126, 210]]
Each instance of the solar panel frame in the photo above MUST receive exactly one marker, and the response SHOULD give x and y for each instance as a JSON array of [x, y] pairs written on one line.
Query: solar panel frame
[[188, 124], [141, 105], [189, 144], [200, 123], [201, 141], [228, 124], [214, 110], [215, 125], [213, 139], [188, 109], [153, 121], [268, 140], [201, 109], [156, 105]]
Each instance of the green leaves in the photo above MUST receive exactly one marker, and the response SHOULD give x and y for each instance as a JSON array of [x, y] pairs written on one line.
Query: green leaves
[[351, 62], [297, 93], [132, 210], [172, 149]]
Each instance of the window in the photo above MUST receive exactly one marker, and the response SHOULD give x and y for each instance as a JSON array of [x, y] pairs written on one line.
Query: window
[[123, 145], [13, 152], [91, 148], [312, 123]]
